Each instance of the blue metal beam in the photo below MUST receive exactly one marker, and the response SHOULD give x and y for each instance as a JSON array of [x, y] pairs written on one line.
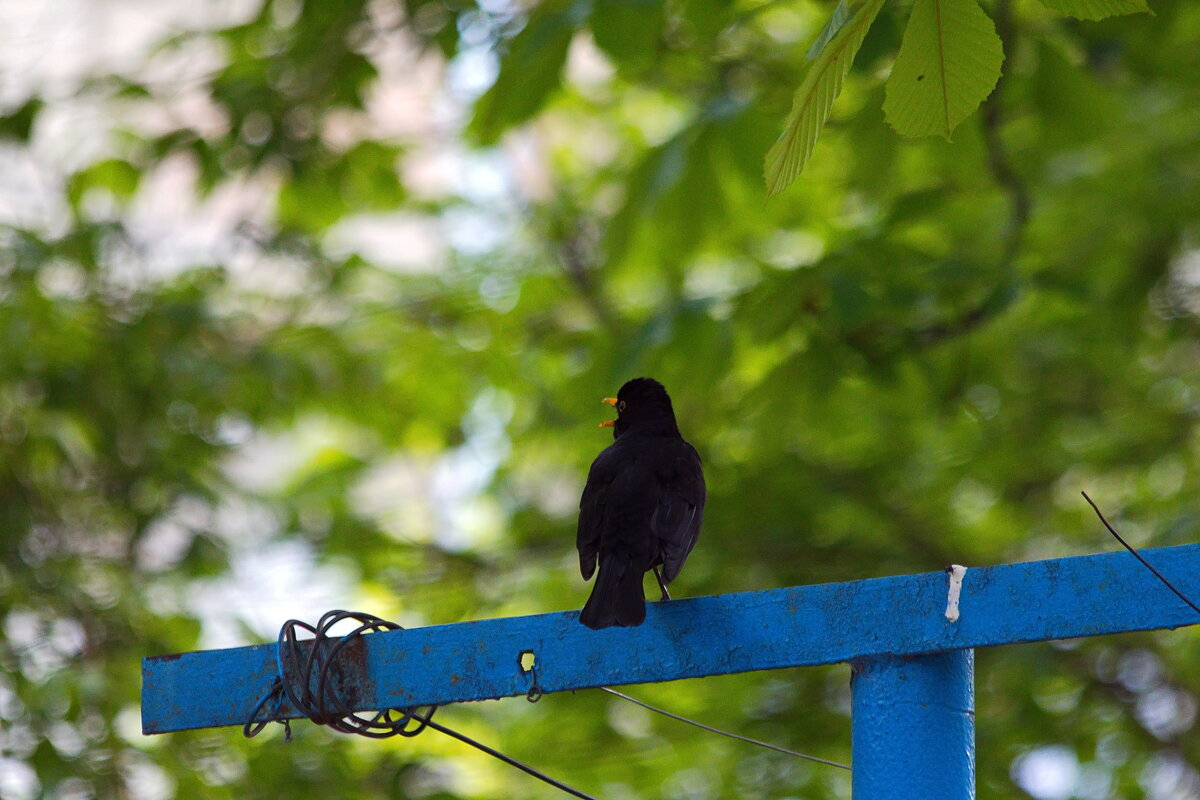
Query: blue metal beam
[[805, 625], [912, 726]]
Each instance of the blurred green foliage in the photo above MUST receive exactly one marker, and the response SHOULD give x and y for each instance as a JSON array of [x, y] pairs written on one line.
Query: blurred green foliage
[[347, 280]]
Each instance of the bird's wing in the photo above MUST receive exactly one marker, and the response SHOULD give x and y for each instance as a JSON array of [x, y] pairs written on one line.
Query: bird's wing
[[592, 510], [676, 521]]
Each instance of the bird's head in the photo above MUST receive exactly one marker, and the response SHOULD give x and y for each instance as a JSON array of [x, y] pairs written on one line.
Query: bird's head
[[642, 404]]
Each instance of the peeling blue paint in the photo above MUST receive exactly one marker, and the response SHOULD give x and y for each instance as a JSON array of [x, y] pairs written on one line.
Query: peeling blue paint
[[806, 625]]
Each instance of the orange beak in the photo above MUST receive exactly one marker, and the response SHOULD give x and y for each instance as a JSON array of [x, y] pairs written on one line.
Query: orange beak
[[608, 423]]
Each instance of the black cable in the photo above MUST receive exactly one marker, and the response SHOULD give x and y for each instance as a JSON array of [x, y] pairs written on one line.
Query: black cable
[[305, 680], [711, 729], [1138, 555], [510, 761]]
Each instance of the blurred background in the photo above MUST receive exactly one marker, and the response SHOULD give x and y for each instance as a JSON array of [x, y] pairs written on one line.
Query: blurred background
[[307, 305]]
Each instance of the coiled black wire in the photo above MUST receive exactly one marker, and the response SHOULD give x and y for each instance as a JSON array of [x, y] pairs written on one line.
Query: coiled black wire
[[305, 681]]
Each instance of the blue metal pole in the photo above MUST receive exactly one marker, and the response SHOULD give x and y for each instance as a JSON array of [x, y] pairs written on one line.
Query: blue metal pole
[[771, 629], [913, 727]]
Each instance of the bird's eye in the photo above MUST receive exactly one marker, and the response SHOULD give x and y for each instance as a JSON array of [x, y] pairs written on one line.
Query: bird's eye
[[620, 406]]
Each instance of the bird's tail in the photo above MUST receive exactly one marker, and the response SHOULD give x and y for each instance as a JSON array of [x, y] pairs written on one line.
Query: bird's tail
[[617, 598]]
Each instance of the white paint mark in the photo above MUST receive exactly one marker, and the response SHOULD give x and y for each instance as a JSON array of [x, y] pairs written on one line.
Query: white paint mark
[[956, 573]]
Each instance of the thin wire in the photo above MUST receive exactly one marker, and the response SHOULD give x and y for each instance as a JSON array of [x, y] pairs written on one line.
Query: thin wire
[[711, 729], [508, 760], [306, 681], [1138, 555]]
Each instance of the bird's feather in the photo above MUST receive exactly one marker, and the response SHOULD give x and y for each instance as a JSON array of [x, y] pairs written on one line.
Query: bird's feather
[[642, 506]]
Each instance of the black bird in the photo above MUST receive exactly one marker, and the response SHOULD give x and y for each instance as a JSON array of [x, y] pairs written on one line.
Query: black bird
[[641, 508]]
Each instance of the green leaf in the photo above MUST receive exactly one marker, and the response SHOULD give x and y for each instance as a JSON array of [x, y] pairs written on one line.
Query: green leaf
[[320, 194], [629, 30], [810, 108], [529, 72], [837, 21], [704, 19], [18, 124], [1098, 9], [119, 177], [657, 218], [949, 62]]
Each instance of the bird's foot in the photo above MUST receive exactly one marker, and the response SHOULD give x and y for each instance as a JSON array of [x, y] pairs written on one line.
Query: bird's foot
[[661, 585]]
